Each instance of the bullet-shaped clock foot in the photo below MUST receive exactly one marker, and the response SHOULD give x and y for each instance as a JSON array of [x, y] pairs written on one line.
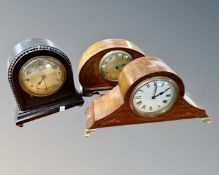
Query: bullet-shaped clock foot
[[88, 132], [207, 120]]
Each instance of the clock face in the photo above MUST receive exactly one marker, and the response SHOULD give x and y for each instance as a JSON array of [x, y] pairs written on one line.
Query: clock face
[[154, 96], [112, 63], [42, 76]]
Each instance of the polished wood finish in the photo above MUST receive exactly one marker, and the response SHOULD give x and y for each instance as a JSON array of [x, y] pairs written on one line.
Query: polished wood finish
[[31, 107], [89, 63], [113, 108]]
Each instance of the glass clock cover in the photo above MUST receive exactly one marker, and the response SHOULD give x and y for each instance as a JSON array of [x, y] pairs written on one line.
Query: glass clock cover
[[42, 76], [154, 96], [112, 63]]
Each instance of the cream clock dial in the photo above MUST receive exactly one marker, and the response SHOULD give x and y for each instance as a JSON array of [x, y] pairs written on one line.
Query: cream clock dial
[[42, 76], [112, 63], [154, 96]]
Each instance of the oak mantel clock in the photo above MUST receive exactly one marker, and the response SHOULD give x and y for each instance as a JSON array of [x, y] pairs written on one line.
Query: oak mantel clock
[[102, 62], [41, 78], [148, 90]]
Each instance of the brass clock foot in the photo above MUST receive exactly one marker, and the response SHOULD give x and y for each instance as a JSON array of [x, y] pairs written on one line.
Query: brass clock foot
[[88, 132], [207, 120]]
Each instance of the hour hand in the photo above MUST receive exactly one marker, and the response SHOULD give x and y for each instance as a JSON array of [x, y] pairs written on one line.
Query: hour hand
[[155, 90], [40, 81], [45, 84], [120, 66], [43, 77], [161, 93]]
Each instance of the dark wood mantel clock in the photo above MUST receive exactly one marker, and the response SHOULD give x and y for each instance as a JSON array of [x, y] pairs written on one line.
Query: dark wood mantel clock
[[41, 78], [148, 90], [102, 62]]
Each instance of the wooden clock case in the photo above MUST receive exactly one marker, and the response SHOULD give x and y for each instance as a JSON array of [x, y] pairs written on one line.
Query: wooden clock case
[[89, 76], [113, 108], [32, 107]]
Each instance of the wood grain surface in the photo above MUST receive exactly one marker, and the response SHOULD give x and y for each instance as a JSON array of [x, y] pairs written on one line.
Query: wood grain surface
[[89, 63], [113, 108]]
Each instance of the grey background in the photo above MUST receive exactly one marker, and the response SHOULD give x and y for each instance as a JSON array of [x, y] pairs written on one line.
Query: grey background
[[182, 33]]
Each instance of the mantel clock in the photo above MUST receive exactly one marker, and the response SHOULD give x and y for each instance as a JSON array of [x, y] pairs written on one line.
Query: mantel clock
[[101, 64], [41, 79], [148, 90]]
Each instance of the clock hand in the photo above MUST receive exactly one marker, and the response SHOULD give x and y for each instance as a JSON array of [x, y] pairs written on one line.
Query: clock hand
[[43, 77], [118, 67], [155, 89], [45, 84], [161, 93]]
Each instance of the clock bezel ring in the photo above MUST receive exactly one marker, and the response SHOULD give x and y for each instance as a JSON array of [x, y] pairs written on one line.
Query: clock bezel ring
[[119, 51], [160, 112], [28, 62]]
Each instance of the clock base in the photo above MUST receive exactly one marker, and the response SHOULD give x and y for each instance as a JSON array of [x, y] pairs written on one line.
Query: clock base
[[33, 114]]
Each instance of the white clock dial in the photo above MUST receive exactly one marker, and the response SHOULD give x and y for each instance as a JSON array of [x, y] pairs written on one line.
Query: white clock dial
[[154, 96]]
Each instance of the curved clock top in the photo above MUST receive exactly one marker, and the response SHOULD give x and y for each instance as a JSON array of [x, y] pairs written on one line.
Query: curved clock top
[[29, 43], [34, 47], [103, 61], [106, 44], [144, 68]]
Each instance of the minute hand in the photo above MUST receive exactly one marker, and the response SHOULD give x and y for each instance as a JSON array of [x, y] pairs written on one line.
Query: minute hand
[[160, 93], [118, 67]]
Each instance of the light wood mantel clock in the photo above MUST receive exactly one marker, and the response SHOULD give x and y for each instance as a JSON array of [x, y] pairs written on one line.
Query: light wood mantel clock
[[148, 90], [102, 62]]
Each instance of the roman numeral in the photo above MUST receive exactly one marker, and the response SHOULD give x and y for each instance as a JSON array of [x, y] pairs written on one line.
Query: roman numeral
[[150, 108], [162, 84], [168, 95], [148, 85], [164, 101], [138, 97], [139, 102], [143, 107], [140, 90]]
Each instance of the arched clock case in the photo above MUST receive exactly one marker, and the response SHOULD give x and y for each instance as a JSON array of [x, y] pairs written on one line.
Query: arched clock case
[[41, 79], [148, 90], [102, 62]]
